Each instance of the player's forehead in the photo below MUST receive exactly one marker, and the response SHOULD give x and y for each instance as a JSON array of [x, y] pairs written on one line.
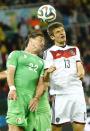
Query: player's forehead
[[40, 38], [58, 29]]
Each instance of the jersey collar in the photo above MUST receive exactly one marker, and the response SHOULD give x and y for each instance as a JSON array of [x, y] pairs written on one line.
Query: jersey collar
[[61, 46]]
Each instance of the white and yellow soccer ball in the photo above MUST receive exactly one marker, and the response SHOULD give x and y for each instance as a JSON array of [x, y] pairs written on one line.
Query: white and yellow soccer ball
[[46, 13]]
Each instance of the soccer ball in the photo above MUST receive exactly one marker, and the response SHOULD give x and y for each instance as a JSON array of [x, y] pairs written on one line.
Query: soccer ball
[[46, 13]]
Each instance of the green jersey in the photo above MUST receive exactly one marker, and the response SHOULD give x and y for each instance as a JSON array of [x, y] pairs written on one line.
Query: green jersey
[[29, 68]]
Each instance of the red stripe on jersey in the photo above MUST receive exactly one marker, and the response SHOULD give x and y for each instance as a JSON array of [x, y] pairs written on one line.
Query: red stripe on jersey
[[63, 53]]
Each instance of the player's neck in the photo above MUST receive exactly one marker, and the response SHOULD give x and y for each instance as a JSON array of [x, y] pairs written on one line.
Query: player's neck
[[62, 44]]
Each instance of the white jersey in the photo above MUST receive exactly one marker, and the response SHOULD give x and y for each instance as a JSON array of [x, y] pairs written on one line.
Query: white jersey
[[64, 79]]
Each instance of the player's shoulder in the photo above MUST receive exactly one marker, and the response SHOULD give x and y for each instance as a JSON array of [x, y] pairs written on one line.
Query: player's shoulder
[[41, 61], [14, 54], [71, 47], [39, 58]]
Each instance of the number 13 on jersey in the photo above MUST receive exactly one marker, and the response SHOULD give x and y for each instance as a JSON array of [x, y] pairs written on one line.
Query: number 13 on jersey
[[67, 63]]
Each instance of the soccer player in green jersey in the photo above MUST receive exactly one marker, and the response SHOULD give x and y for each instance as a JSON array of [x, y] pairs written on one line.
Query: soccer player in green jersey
[[25, 79]]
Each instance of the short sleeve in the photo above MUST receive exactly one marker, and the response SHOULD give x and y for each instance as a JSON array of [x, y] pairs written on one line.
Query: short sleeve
[[12, 59], [48, 59], [77, 57]]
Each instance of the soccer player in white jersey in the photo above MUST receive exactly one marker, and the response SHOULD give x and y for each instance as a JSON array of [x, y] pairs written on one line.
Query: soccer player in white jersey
[[65, 82]]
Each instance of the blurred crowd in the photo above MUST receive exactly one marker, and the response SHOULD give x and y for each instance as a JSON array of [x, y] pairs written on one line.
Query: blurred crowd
[[75, 14], [19, 2]]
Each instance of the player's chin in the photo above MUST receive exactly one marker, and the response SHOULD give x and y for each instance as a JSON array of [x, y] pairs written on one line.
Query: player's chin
[[62, 42], [38, 51]]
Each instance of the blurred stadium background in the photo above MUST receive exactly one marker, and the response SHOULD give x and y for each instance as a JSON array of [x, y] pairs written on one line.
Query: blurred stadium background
[[18, 17]]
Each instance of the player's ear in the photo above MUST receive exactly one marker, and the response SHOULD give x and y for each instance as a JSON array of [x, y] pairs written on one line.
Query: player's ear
[[52, 37]]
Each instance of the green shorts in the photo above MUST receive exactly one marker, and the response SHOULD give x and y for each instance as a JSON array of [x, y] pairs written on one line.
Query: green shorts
[[41, 121], [18, 110]]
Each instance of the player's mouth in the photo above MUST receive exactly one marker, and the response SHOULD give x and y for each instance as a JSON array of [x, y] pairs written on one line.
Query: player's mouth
[[62, 37]]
